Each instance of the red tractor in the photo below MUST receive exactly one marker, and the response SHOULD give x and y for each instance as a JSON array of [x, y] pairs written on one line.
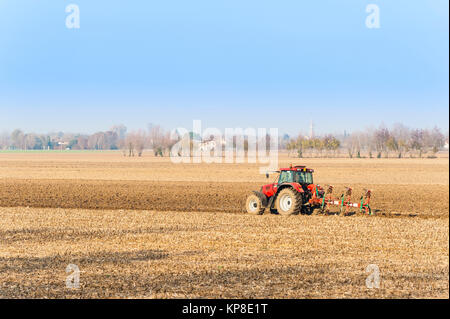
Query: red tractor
[[294, 192]]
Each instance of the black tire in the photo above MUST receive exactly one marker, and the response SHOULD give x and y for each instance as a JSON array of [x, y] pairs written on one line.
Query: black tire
[[289, 202], [254, 205]]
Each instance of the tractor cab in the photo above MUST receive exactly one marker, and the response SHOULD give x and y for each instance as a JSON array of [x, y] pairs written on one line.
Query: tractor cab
[[296, 174], [299, 175]]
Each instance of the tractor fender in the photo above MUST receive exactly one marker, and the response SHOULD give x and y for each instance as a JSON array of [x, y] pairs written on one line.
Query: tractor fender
[[262, 197], [295, 186]]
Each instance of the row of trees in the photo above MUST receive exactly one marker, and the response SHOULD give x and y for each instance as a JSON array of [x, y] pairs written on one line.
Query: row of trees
[[328, 145], [19, 140], [398, 141], [155, 138], [131, 144]]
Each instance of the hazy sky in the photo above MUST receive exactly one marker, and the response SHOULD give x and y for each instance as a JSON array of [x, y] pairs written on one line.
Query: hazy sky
[[229, 63]]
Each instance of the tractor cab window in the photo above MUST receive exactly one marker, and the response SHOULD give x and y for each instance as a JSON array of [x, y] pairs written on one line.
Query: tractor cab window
[[286, 177], [303, 177]]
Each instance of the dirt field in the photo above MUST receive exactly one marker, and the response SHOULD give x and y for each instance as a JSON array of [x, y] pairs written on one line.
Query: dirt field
[[144, 227]]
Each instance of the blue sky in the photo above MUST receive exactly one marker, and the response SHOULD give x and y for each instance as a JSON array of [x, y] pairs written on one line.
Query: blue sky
[[228, 63]]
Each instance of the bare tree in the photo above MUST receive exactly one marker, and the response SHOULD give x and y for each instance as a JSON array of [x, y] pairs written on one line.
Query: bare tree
[[156, 139], [391, 145], [31, 141], [381, 137], [136, 142], [436, 140], [402, 135], [416, 141], [140, 142], [17, 137], [5, 140], [96, 141], [352, 144], [128, 145]]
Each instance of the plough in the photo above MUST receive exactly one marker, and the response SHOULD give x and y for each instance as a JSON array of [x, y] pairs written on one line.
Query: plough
[[345, 201]]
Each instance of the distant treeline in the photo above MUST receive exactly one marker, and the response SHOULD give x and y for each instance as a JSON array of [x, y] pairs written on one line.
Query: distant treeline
[[117, 138], [398, 141]]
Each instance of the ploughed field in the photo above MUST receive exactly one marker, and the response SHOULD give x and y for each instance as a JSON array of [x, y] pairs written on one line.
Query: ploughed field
[[145, 227], [422, 201]]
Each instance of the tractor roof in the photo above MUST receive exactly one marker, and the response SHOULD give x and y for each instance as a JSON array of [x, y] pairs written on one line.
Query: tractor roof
[[297, 168]]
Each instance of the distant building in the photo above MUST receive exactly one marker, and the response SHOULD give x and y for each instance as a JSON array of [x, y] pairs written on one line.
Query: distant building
[[63, 145]]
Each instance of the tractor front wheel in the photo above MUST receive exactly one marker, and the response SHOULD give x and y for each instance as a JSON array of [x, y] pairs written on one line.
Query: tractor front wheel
[[289, 201], [254, 205]]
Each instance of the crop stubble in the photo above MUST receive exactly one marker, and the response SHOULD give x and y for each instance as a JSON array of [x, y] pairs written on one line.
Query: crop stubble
[[148, 254], [144, 227]]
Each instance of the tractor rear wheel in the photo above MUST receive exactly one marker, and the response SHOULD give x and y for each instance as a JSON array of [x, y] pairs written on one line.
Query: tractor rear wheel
[[289, 201], [254, 205]]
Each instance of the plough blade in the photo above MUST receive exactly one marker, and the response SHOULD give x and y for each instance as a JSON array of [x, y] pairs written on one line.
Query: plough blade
[[345, 201]]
